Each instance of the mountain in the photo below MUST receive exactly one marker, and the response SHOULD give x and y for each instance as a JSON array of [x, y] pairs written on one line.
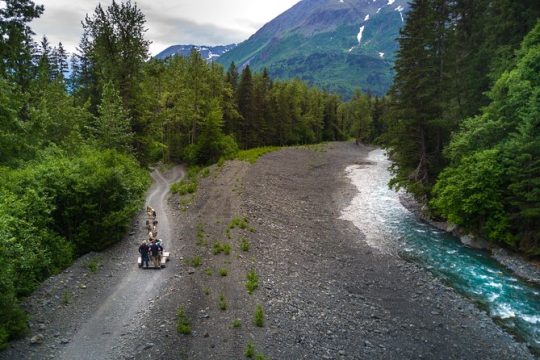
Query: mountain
[[209, 53], [337, 45]]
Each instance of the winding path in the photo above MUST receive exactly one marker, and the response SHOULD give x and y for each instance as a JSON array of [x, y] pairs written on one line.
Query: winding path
[[98, 337]]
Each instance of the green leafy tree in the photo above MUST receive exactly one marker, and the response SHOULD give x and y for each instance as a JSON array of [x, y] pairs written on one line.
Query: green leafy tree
[[492, 183]]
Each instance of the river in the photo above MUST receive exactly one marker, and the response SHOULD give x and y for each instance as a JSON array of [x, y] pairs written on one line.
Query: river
[[390, 228]]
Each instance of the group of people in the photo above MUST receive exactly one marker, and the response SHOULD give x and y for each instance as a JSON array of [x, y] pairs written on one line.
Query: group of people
[[153, 248]]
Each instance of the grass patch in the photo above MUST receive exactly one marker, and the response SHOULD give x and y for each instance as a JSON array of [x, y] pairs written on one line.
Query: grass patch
[[252, 155], [236, 323], [201, 237], [184, 187], [206, 291], [208, 271], [223, 272], [93, 264], [249, 351], [258, 319], [244, 244], [183, 325], [195, 261], [260, 356], [252, 281], [222, 303], [219, 248], [239, 222], [66, 297]]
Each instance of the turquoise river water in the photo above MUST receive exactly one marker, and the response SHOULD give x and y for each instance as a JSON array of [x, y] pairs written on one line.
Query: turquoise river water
[[513, 302]]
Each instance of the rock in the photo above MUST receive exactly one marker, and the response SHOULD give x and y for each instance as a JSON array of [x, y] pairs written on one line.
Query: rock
[[64, 341], [37, 339], [341, 352], [42, 327], [148, 346], [206, 334], [83, 286], [190, 270]]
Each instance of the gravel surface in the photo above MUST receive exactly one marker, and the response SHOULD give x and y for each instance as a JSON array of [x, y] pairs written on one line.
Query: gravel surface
[[325, 293]]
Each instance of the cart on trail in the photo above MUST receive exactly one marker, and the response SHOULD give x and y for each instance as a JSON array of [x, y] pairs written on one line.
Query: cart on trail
[[165, 255]]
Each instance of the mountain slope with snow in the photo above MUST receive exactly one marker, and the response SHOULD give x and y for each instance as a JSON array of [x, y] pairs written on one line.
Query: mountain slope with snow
[[337, 45], [209, 53]]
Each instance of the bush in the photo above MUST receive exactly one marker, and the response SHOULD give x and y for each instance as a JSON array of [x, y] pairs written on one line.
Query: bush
[[184, 187], [252, 281], [223, 272], [183, 325], [249, 351], [244, 244], [258, 320], [252, 155], [55, 207]]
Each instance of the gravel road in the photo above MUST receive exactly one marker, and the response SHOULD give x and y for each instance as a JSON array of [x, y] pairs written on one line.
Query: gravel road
[[325, 293]]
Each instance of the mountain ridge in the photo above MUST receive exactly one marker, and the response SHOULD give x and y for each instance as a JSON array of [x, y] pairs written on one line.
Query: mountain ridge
[[337, 45], [209, 53]]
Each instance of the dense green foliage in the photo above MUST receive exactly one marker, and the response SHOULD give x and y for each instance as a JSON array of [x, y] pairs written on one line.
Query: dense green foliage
[[471, 150], [69, 182], [493, 183]]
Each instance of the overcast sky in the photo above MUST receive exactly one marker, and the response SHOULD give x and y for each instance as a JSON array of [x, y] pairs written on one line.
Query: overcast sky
[[169, 22]]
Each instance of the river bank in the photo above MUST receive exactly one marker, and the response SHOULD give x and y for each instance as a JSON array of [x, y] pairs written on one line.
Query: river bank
[[326, 293]]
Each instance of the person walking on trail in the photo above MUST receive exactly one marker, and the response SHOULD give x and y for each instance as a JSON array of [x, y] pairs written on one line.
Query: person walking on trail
[[155, 251], [143, 250]]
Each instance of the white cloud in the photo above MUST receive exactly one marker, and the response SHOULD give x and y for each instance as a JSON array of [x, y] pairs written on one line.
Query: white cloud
[[207, 22]]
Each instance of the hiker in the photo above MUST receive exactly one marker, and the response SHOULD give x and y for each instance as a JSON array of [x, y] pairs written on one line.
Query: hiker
[[148, 225], [154, 215], [155, 251], [143, 250], [150, 212]]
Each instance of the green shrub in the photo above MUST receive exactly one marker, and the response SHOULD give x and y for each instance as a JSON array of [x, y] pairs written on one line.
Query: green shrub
[[249, 351], [223, 272], [184, 187], [244, 245], [222, 303], [258, 320], [217, 248], [208, 271], [66, 297], [236, 323], [226, 248], [183, 325], [195, 261], [93, 264], [252, 281]]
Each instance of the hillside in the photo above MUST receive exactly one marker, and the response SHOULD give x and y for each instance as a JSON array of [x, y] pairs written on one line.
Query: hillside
[[337, 45], [209, 53]]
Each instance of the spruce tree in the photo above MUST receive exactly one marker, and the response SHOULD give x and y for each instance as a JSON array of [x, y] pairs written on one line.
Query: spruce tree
[[113, 128]]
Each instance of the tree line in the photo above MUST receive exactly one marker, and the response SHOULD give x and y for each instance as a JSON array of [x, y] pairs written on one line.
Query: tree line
[[78, 131], [463, 116]]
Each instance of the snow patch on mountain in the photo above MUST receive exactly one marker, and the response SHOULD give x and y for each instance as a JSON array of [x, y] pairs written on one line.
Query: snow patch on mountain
[[378, 10], [400, 10], [366, 18], [359, 36], [390, 2], [381, 55]]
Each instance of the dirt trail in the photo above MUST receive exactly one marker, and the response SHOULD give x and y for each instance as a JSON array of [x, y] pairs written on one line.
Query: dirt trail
[[89, 314], [98, 337]]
